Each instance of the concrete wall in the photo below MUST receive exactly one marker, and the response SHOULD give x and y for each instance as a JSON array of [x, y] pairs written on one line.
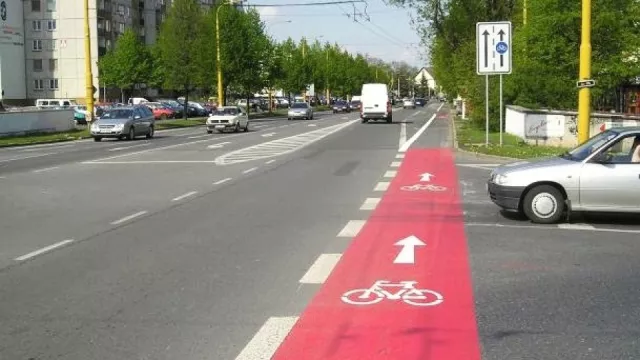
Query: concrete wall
[[558, 128], [24, 122]]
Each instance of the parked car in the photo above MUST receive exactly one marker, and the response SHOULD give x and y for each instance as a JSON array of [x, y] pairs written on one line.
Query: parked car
[[124, 122], [408, 103], [228, 118], [341, 106], [178, 108], [300, 110], [599, 175], [160, 111]]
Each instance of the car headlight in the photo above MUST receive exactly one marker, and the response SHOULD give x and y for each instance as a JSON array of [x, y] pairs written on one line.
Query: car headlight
[[118, 127], [94, 127], [500, 179]]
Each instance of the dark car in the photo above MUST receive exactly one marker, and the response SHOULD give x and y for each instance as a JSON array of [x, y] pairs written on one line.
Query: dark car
[[420, 102], [356, 105], [341, 106]]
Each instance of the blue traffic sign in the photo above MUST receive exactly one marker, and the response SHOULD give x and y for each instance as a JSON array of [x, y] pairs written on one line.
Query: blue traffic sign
[[502, 47]]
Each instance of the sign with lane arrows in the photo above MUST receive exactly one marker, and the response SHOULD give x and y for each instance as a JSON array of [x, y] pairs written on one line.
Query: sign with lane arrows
[[493, 44]]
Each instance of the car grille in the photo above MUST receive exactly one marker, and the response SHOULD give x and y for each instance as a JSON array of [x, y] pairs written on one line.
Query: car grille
[[107, 126], [219, 121]]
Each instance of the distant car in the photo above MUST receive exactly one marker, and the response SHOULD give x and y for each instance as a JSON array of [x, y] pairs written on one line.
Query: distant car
[[341, 106], [300, 110], [178, 108], [160, 111], [420, 102], [356, 105], [599, 175], [376, 103], [228, 118], [408, 103], [124, 122]]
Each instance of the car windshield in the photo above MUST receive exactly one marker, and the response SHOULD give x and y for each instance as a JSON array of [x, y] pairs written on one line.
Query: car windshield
[[583, 151], [226, 112], [299, 106], [340, 103], [117, 114]]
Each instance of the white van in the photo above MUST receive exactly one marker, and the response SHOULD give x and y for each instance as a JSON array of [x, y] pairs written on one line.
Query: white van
[[55, 103], [376, 104]]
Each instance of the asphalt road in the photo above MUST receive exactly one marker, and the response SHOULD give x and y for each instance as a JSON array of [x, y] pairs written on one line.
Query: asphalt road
[[196, 246]]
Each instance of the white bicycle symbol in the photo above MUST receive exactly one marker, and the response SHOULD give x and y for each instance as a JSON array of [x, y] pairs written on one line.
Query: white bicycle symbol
[[428, 187], [408, 293]]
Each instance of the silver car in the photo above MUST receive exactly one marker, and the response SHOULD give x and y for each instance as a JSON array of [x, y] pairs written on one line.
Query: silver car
[[124, 122], [300, 110], [602, 174]]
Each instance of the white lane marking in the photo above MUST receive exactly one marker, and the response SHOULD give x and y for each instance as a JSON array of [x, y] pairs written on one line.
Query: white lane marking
[[199, 136], [151, 162], [266, 341], [221, 181], [282, 126], [45, 169], [381, 186], [390, 174], [48, 147], [268, 134], [26, 157], [399, 156], [440, 107], [415, 136], [396, 164], [321, 269], [480, 166], [129, 147], [576, 226], [250, 170], [184, 196], [352, 228], [543, 227], [219, 145], [403, 135], [127, 218], [43, 250], [270, 161], [370, 204], [3, 177], [312, 125]]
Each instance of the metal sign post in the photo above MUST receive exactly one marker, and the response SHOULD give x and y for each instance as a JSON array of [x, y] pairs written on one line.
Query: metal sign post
[[493, 57]]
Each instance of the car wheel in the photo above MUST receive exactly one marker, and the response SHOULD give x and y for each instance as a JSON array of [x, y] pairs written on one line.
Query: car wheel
[[150, 133], [237, 128], [209, 131], [132, 133], [544, 204], [97, 139], [288, 118]]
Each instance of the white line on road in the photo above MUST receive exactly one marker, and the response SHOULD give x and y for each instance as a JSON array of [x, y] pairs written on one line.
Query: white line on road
[[26, 157], [151, 162], [127, 218], [129, 147], [48, 147], [184, 196], [352, 228], [370, 204], [45, 169], [396, 164], [221, 181], [440, 107], [399, 156], [403, 135], [381, 186], [266, 341], [543, 227], [282, 126], [415, 136], [199, 136], [576, 226], [390, 174], [250, 170], [312, 125], [43, 250], [270, 161], [321, 269], [219, 145], [268, 134]]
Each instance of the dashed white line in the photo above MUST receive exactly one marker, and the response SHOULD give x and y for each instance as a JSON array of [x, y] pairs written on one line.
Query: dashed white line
[[221, 181], [282, 126], [399, 156], [270, 161], [576, 226], [127, 218], [184, 196], [198, 136], [26, 157], [129, 147], [219, 145], [370, 204], [390, 174], [49, 146], [381, 186], [250, 170], [352, 228], [403, 134], [266, 341], [321, 269], [395, 164], [46, 169], [556, 227], [312, 125], [268, 134], [43, 250]]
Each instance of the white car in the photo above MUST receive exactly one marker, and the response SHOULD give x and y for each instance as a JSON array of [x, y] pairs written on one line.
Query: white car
[[408, 103], [228, 118]]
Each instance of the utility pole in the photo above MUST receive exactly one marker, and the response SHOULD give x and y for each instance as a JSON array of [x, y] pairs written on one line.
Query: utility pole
[[327, 79], [88, 71], [584, 94], [220, 96], [398, 86]]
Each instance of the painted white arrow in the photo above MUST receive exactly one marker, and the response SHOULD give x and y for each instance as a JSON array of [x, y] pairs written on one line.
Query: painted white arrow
[[407, 254], [425, 177]]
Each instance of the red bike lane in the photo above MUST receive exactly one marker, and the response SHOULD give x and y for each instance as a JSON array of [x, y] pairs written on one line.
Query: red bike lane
[[402, 289]]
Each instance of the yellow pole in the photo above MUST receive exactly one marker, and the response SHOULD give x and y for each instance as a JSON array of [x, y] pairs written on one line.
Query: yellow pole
[[584, 94], [88, 71], [218, 61], [524, 13]]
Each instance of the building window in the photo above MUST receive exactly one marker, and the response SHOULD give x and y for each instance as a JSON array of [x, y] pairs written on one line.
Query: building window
[[37, 25], [53, 84], [38, 84], [51, 25], [51, 5], [120, 9], [37, 65], [37, 45], [53, 64], [121, 28], [35, 6]]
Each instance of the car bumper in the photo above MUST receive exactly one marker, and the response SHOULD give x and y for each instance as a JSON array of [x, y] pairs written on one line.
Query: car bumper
[[507, 197], [297, 116], [108, 134], [220, 126], [375, 115]]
